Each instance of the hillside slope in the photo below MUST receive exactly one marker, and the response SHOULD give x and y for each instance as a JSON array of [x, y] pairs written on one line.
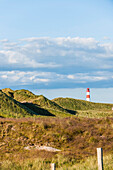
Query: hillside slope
[[20, 95], [37, 103], [11, 108], [60, 107], [75, 104], [43, 102]]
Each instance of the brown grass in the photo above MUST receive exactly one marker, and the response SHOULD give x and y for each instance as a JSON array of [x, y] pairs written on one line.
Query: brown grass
[[76, 137]]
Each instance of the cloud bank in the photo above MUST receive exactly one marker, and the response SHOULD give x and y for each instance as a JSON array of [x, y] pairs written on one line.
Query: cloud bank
[[56, 62]]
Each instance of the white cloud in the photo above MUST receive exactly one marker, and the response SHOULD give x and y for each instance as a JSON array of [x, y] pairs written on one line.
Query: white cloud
[[48, 52], [56, 60], [40, 80], [91, 77], [35, 77], [21, 77], [71, 77], [4, 76]]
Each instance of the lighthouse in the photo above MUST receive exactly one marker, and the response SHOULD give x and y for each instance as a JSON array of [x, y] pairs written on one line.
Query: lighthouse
[[88, 95]]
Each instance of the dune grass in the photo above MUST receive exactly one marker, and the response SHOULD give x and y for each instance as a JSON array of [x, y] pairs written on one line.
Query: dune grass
[[61, 163], [94, 113], [75, 104], [37, 103], [11, 108], [59, 107]]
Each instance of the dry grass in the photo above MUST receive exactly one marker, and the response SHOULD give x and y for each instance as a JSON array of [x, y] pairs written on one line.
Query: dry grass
[[77, 138], [94, 113], [61, 163]]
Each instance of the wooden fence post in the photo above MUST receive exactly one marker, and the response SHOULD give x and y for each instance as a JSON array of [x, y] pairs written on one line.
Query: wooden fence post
[[53, 166], [100, 158]]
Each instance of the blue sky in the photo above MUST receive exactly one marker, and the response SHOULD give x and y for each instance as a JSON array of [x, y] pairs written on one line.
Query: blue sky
[[57, 44], [56, 18]]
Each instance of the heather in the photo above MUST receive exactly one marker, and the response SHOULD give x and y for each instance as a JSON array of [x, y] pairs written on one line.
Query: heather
[[77, 138]]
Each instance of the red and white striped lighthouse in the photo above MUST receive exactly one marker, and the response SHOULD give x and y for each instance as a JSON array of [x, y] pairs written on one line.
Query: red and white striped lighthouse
[[87, 94]]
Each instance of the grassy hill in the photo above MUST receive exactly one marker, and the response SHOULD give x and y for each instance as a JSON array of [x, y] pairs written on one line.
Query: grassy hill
[[39, 100], [51, 106], [75, 104], [37, 103], [11, 108], [84, 108], [20, 95], [61, 107]]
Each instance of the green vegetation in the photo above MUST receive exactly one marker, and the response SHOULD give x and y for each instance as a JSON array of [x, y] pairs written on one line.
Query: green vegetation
[[59, 107], [75, 104], [84, 108], [24, 95], [51, 106], [20, 95], [11, 108], [37, 103]]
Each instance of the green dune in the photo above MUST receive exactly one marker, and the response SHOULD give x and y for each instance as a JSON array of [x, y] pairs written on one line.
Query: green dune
[[60, 107], [76, 104], [37, 103], [12, 108]]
